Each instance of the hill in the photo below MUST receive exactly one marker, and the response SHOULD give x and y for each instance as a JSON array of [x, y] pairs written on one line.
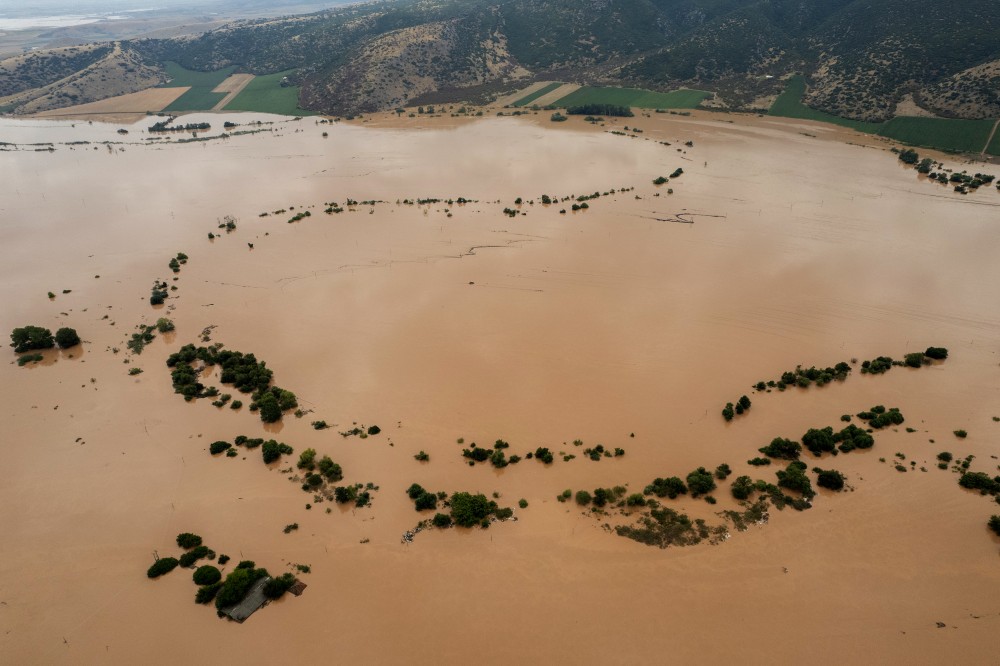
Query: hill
[[859, 58]]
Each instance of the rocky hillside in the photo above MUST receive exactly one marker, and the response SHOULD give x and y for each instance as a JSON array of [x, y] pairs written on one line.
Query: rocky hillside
[[860, 57]]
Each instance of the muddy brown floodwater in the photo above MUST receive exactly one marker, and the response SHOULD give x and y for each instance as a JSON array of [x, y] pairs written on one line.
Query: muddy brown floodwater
[[444, 321]]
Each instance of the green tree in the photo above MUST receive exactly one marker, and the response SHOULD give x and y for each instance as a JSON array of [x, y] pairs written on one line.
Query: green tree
[[66, 338], [188, 540], [742, 487], [270, 412], [700, 482], [31, 337], [207, 575], [468, 509], [162, 566]]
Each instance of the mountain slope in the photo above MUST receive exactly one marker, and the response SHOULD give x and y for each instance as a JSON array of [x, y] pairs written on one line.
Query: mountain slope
[[859, 57]]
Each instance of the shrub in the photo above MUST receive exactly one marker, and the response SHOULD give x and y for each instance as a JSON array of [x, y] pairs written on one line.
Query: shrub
[[67, 337], [422, 456], [331, 470], [218, 447], [276, 587], [374, 430], [819, 441], [193, 555], [829, 478], [345, 494], [223, 559], [727, 411], [700, 482], [542, 453], [207, 593], [425, 501], [635, 499], [794, 477], [162, 566], [670, 487], [994, 524], [307, 459], [852, 437], [722, 471], [782, 448], [272, 450], [188, 540], [944, 457], [29, 358], [441, 520], [583, 498], [961, 434], [290, 527], [468, 510], [936, 353], [235, 587], [758, 462], [31, 337], [742, 487], [523, 503], [979, 481], [236, 404], [207, 575]]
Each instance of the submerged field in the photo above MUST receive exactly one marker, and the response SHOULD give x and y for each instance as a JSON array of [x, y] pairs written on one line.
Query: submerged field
[[431, 293]]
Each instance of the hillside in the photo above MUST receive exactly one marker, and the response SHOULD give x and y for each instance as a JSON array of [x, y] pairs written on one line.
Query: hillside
[[860, 58]]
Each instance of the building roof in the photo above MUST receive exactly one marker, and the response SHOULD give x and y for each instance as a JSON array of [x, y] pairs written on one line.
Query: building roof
[[251, 603]]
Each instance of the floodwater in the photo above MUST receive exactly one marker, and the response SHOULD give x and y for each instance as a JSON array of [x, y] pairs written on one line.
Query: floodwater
[[617, 325]]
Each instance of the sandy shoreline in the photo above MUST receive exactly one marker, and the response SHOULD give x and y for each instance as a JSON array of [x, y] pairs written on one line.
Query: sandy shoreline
[[594, 324]]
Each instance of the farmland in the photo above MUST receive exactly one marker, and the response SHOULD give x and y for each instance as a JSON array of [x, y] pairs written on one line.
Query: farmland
[[266, 95], [949, 134], [967, 136], [199, 97], [643, 99], [544, 90], [994, 147], [789, 105]]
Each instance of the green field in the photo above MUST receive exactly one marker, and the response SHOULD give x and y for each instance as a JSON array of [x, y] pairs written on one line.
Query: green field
[[544, 90], [200, 97], [265, 95], [789, 105], [951, 134], [967, 136], [642, 99], [994, 147]]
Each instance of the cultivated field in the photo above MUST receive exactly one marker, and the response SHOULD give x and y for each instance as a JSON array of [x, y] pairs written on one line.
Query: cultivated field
[[266, 95], [231, 87], [967, 136], [789, 105], [941, 133], [201, 95], [994, 147], [643, 99], [138, 103], [531, 97]]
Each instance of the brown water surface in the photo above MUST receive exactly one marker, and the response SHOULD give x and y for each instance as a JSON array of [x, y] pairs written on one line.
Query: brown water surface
[[443, 321]]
